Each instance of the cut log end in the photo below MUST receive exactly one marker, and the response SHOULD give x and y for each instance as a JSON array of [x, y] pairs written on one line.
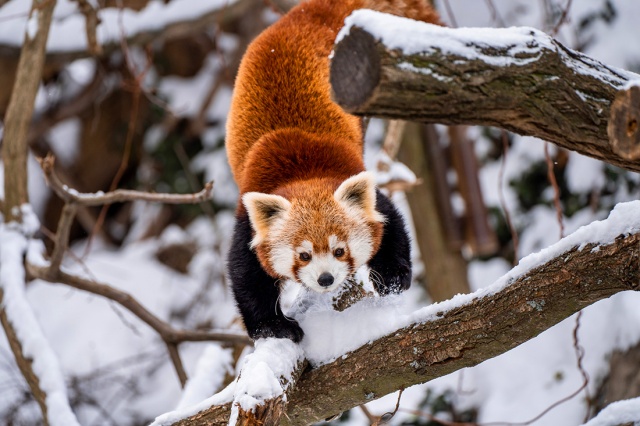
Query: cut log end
[[355, 69], [624, 125]]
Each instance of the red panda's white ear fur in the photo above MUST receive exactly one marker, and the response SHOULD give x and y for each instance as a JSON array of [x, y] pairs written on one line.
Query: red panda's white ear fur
[[359, 193], [264, 210]]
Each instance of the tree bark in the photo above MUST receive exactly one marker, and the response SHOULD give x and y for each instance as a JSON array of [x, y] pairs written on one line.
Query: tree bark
[[14, 157], [624, 126], [21, 104], [475, 331], [535, 86], [445, 268]]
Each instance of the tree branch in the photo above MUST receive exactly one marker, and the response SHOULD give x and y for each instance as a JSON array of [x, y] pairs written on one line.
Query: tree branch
[[120, 195], [518, 79], [166, 331], [532, 298]]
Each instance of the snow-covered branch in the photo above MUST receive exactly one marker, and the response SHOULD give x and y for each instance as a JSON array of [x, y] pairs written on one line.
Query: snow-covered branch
[[593, 263], [34, 356], [70, 195], [519, 79]]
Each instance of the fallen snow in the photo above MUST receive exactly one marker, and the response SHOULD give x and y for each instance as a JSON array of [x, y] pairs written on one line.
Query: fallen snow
[[618, 413], [34, 344], [265, 374], [222, 397], [214, 363]]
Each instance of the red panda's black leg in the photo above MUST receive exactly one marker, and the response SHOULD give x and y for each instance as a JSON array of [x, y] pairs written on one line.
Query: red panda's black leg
[[391, 265], [256, 293]]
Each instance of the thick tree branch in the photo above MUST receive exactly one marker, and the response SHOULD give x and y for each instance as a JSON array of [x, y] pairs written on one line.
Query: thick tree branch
[[518, 79], [483, 326]]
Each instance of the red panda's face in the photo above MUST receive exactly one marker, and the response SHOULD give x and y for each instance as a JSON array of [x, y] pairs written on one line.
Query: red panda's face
[[318, 237]]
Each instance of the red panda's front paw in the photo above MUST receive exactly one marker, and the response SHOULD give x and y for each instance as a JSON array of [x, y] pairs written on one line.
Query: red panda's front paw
[[280, 328], [390, 280]]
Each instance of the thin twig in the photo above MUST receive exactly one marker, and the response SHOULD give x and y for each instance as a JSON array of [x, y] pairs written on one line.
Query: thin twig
[[119, 195], [563, 18], [503, 203], [62, 236], [177, 363], [495, 16], [450, 13], [556, 189], [91, 23], [166, 331]]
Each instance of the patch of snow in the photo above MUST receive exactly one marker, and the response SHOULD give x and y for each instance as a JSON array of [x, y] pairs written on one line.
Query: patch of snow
[[618, 413], [214, 363], [265, 374], [222, 397]]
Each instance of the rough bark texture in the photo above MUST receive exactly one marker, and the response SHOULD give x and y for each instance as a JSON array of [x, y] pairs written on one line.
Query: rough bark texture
[[20, 109], [623, 380], [463, 337], [553, 93], [624, 126], [14, 157]]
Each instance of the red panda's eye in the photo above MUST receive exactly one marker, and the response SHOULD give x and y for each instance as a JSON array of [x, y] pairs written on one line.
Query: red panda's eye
[[305, 256], [339, 252]]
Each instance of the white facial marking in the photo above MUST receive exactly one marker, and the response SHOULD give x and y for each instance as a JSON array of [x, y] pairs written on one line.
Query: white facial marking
[[282, 258], [334, 243], [305, 246], [319, 264], [360, 247]]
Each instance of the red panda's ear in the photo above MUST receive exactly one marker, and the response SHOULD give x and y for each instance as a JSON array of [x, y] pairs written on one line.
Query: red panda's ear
[[263, 210], [359, 193]]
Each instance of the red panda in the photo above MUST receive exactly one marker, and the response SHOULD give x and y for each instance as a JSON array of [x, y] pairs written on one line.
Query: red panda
[[309, 211]]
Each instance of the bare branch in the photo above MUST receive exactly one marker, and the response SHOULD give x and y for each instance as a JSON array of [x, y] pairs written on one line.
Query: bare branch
[[91, 23], [21, 105], [62, 237], [518, 79], [117, 196], [166, 331]]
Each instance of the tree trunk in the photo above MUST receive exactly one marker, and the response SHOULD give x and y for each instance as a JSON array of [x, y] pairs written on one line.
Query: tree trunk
[[445, 268]]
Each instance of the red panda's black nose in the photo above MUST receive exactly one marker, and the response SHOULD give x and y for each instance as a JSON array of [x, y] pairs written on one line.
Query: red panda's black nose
[[325, 279]]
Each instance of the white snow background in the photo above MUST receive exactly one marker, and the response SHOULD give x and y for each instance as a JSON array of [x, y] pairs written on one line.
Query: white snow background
[[92, 336]]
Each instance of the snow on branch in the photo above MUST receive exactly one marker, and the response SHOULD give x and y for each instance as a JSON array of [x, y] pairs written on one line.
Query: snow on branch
[[618, 413], [519, 79], [23, 331], [70, 195], [596, 262]]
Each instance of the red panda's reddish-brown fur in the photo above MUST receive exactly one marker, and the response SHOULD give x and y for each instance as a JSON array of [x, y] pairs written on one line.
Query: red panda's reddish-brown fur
[[308, 212], [282, 95]]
